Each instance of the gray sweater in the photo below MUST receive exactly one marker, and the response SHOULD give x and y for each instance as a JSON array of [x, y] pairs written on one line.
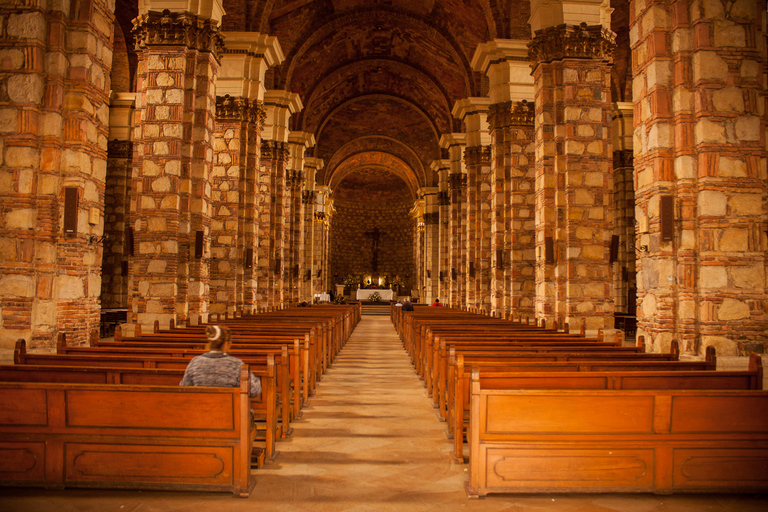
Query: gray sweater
[[219, 370]]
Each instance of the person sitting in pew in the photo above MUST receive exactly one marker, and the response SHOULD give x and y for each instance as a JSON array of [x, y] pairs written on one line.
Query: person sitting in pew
[[407, 305], [436, 303], [216, 367]]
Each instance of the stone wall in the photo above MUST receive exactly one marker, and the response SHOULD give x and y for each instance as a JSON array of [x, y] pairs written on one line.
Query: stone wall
[[351, 251]]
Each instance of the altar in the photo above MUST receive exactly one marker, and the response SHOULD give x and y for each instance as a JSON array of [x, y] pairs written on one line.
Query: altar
[[384, 293]]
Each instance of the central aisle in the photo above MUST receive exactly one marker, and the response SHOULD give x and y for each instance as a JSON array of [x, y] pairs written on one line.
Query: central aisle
[[369, 440]]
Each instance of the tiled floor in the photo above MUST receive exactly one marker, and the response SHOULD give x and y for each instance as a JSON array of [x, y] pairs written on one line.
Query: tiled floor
[[369, 441]]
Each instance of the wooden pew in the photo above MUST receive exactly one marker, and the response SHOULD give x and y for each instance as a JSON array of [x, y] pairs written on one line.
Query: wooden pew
[[127, 437], [537, 353], [264, 407], [616, 377], [660, 441], [282, 384]]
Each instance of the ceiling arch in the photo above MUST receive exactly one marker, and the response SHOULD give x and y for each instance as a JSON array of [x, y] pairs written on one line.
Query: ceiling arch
[[407, 162]]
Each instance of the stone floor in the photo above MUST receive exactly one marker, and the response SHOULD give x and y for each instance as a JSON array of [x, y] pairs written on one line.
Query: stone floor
[[368, 441]]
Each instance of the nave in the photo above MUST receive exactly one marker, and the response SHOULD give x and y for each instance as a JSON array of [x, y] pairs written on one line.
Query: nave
[[369, 440]]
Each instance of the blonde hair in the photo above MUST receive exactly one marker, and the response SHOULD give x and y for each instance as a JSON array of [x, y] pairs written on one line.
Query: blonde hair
[[217, 336]]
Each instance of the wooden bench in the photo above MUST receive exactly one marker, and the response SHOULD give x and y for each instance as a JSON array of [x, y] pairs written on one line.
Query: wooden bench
[[617, 377], [660, 441], [136, 361], [264, 406], [128, 437]]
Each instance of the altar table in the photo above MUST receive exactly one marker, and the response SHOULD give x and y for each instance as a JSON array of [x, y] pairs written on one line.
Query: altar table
[[384, 293]]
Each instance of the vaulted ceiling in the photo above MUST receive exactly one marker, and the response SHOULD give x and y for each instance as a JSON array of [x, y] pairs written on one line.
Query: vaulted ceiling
[[378, 78]]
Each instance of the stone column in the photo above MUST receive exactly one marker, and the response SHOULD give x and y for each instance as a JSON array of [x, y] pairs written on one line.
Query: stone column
[[473, 112], [309, 260], [298, 143], [441, 276], [240, 118], [280, 105], [114, 268], [171, 196], [419, 245], [53, 152], [700, 167], [232, 203], [623, 242], [431, 241], [510, 120], [571, 69], [457, 179], [323, 211]]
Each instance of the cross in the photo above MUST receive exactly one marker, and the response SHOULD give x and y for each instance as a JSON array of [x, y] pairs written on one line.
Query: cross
[[374, 235]]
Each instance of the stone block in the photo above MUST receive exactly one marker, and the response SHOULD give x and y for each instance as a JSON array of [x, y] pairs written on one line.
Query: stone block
[[170, 202], [173, 168], [748, 128], [687, 309], [733, 240], [162, 184], [174, 97], [155, 306], [712, 203], [20, 156], [68, 287], [173, 130], [22, 218], [712, 277], [747, 204], [728, 99], [707, 131], [593, 252], [708, 65], [160, 148], [728, 34], [750, 277], [749, 69], [17, 286], [9, 120], [29, 25], [162, 290], [732, 309], [731, 167]]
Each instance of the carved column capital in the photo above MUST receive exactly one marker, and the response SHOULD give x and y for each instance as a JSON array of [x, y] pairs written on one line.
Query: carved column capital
[[274, 150], [457, 181], [177, 29], [478, 155], [511, 113], [571, 41]]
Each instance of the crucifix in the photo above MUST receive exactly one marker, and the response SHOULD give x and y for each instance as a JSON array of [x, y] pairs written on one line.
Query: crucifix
[[375, 236]]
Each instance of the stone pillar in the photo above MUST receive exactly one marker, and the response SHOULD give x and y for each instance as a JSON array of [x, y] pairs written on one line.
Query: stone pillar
[[298, 143], [574, 156], [309, 260], [700, 167], [623, 242], [473, 112], [240, 119], [323, 211], [510, 120], [431, 242], [53, 152], [419, 245], [114, 268], [171, 197], [232, 197], [457, 179], [273, 207], [441, 276]]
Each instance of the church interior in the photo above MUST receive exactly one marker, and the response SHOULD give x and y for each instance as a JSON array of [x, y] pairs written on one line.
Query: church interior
[[595, 164]]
